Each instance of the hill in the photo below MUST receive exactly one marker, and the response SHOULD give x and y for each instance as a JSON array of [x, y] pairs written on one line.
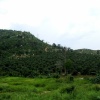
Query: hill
[[88, 51], [22, 54], [17, 42]]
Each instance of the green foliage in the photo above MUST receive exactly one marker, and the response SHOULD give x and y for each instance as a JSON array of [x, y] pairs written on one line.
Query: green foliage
[[39, 85], [22, 54], [5, 97], [69, 66], [96, 87], [70, 78], [18, 88], [68, 89], [96, 79], [55, 75]]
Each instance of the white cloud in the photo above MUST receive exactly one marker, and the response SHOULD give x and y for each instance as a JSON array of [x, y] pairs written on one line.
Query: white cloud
[[62, 21]]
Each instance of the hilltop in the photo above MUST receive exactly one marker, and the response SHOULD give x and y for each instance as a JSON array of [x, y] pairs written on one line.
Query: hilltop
[[17, 42], [88, 51]]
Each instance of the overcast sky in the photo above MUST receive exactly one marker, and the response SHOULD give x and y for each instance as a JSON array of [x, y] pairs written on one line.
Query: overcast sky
[[71, 23]]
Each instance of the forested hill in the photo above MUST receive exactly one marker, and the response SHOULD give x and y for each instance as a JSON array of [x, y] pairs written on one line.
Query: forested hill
[[20, 43], [88, 51], [22, 54]]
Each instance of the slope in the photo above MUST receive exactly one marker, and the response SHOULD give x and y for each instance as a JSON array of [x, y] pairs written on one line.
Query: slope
[[22, 54]]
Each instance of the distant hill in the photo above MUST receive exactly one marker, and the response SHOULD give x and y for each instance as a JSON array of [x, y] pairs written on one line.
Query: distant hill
[[23, 54], [88, 51]]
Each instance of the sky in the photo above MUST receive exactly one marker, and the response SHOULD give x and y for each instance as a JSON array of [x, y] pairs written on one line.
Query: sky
[[71, 23]]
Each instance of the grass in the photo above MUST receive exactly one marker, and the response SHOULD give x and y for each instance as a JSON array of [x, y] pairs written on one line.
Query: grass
[[18, 88]]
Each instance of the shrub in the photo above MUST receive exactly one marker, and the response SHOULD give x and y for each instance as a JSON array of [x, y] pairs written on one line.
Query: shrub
[[70, 78], [35, 90], [60, 80], [97, 88], [96, 79], [68, 89], [5, 97], [55, 75], [1, 89], [39, 85], [52, 86], [94, 97]]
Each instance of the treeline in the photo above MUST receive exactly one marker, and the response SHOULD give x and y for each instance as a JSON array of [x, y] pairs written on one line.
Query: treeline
[[22, 54]]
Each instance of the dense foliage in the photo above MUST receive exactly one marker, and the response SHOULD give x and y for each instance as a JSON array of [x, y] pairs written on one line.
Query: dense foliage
[[22, 54]]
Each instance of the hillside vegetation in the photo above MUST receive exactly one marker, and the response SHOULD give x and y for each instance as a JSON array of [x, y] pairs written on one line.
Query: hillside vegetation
[[22, 54]]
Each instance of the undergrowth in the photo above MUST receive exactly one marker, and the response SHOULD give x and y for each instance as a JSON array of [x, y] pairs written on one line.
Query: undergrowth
[[63, 88]]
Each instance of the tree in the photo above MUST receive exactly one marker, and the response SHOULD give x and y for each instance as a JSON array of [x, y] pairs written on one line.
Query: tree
[[54, 45], [98, 52], [69, 66]]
